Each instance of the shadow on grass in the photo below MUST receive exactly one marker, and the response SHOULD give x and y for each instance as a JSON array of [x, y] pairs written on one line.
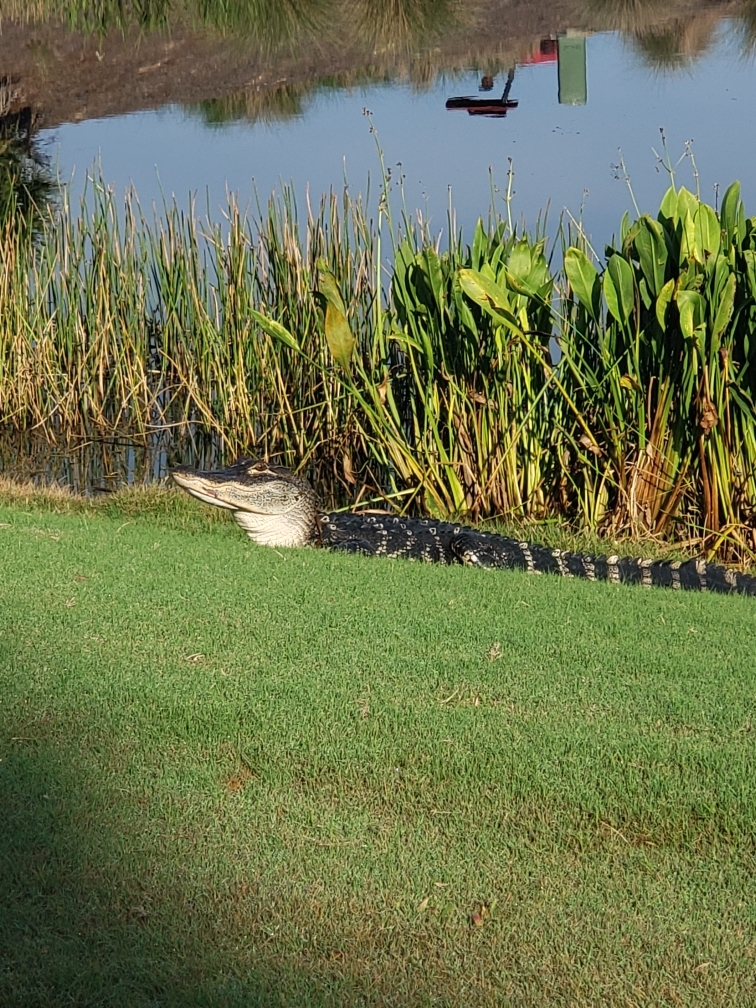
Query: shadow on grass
[[86, 916]]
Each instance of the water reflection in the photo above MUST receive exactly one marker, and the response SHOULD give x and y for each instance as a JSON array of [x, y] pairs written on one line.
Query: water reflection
[[27, 184], [259, 60], [492, 108], [96, 463]]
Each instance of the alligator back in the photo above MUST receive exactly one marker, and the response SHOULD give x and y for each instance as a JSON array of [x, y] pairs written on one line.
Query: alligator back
[[443, 542]]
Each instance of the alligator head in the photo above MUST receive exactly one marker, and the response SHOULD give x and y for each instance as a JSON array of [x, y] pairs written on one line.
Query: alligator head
[[272, 505]]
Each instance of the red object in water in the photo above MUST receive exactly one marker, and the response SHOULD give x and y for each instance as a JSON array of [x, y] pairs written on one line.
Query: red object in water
[[547, 52]]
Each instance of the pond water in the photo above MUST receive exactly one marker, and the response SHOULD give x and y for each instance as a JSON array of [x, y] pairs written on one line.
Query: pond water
[[564, 152]]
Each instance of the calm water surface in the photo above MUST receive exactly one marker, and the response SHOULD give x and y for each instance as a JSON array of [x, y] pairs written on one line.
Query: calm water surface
[[563, 154]]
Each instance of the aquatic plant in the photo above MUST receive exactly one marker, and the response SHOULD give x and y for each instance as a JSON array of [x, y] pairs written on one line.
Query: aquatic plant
[[471, 380], [665, 335]]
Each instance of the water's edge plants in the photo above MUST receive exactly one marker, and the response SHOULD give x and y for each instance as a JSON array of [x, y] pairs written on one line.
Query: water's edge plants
[[475, 380]]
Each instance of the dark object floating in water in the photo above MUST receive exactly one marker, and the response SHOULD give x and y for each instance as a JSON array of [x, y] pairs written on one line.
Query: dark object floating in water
[[495, 108]]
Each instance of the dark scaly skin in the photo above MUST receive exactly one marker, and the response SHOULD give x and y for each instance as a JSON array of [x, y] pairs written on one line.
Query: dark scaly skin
[[268, 500], [442, 542]]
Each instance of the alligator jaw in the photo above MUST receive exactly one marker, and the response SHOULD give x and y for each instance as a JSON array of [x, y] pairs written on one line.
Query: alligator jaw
[[272, 505], [191, 481]]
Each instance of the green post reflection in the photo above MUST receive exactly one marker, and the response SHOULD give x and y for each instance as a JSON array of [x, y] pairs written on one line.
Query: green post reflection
[[573, 76]]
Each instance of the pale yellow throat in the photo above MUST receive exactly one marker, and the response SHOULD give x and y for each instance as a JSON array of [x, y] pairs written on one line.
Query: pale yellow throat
[[273, 529]]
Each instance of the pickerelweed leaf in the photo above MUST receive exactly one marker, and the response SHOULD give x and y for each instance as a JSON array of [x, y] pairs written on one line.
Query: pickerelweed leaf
[[339, 336], [687, 231], [328, 287], [483, 290], [490, 296], [275, 329], [692, 309], [624, 227], [708, 232], [726, 305], [520, 260], [584, 280], [749, 257], [668, 207], [619, 288], [686, 202], [728, 214], [665, 296], [652, 252]]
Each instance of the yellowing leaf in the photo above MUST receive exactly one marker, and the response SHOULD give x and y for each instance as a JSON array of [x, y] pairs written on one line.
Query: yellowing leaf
[[339, 336]]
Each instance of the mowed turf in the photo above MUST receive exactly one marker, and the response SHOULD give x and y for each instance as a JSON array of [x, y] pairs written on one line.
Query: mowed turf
[[235, 776]]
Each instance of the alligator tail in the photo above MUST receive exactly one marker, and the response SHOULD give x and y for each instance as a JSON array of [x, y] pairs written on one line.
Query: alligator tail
[[693, 575]]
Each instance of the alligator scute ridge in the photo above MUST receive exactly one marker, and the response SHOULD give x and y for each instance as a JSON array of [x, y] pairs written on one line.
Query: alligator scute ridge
[[277, 508]]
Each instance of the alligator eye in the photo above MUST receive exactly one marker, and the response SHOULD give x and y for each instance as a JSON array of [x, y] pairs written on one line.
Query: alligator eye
[[260, 466]]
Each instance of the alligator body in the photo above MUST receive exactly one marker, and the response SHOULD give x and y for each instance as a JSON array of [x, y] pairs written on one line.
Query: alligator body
[[277, 508]]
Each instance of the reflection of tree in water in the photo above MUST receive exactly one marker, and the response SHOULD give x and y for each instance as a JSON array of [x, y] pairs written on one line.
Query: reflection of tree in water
[[268, 105], [677, 43], [27, 185], [748, 21], [663, 42]]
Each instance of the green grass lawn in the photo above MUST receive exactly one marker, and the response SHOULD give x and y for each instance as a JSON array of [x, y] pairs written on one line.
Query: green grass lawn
[[234, 776]]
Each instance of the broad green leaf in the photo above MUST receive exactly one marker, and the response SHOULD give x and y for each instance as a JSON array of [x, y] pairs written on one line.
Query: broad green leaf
[[730, 211], [518, 285], [692, 309], [482, 289], [487, 269], [749, 258], [665, 296], [431, 267], [726, 305], [624, 227], [718, 271], [619, 288], [686, 202], [652, 252], [480, 244], [708, 232], [668, 207], [489, 295], [687, 229], [339, 336], [584, 280], [540, 279], [520, 263], [275, 329], [464, 315], [329, 288]]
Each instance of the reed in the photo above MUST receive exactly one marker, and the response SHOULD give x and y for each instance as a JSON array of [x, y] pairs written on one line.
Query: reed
[[472, 380]]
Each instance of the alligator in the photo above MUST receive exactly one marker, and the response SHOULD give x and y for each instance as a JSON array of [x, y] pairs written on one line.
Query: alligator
[[277, 508]]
